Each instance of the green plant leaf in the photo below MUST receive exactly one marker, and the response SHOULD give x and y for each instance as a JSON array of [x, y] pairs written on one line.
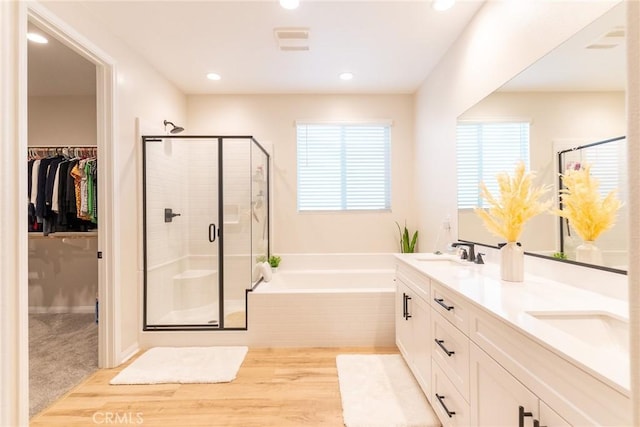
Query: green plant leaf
[[414, 240], [405, 239]]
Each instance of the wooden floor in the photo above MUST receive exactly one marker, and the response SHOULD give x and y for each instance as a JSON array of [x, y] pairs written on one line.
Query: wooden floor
[[274, 387]]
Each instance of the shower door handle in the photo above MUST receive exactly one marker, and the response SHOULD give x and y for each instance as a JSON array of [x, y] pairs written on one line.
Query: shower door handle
[[212, 233]]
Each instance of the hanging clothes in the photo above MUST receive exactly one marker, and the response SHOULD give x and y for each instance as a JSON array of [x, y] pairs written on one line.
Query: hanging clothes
[[62, 189]]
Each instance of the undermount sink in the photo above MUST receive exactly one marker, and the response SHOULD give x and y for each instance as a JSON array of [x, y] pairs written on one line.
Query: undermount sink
[[439, 259], [600, 329]]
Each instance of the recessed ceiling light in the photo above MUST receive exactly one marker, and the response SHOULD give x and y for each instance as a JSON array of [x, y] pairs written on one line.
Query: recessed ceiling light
[[441, 5], [213, 76], [290, 4], [346, 76], [37, 38]]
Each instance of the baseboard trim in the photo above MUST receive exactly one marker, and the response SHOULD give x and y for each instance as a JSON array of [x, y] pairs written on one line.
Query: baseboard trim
[[128, 353]]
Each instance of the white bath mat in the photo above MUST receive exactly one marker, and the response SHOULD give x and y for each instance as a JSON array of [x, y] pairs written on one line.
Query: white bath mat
[[379, 390], [183, 365]]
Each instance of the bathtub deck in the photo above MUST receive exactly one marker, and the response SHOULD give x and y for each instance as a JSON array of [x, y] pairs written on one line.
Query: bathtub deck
[[274, 387]]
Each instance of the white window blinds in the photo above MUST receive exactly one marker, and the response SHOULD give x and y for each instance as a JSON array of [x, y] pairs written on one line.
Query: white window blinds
[[343, 167], [606, 166], [485, 149]]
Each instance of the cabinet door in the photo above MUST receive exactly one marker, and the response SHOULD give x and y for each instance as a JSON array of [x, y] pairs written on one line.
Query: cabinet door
[[550, 418], [421, 340], [496, 396], [403, 324]]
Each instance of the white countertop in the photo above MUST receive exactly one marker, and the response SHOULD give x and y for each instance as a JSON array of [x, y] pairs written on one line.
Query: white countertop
[[513, 302]]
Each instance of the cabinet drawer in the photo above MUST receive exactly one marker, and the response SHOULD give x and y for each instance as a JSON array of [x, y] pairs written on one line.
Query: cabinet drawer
[[450, 350], [450, 306], [447, 402], [418, 283]]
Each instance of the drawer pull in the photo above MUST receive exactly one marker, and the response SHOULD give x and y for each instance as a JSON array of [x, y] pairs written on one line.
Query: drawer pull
[[441, 302], [521, 415], [441, 344], [408, 315], [440, 399]]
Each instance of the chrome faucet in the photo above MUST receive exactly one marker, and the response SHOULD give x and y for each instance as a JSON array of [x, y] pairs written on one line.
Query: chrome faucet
[[471, 252]]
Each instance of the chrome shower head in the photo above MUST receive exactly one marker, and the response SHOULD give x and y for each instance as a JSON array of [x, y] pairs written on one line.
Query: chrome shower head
[[174, 128]]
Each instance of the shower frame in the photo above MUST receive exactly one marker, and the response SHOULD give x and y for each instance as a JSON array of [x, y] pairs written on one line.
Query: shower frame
[[220, 232]]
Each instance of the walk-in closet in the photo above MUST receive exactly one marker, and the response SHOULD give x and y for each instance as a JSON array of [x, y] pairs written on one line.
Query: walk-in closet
[[62, 165]]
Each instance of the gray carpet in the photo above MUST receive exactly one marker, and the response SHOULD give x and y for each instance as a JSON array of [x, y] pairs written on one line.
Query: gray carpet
[[63, 350]]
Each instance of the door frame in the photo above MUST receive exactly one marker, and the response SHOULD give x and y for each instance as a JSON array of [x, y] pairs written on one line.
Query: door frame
[[108, 271]]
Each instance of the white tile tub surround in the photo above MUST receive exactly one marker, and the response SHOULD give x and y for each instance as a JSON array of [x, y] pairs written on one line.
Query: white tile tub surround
[[326, 300], [337, 281]]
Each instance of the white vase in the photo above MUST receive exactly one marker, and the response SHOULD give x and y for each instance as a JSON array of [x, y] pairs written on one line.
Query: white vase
[[589, 253], [512, 262]]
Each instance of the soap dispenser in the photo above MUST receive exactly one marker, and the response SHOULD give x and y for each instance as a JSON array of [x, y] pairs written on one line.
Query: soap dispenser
[[445, 238]]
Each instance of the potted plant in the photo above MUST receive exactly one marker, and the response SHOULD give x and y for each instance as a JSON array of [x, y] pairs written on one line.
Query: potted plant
[[588, 213], [274, 262], [407, 245], [517, 203]]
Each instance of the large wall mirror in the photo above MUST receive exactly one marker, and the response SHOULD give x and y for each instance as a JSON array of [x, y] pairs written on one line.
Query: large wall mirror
[[573, 97]]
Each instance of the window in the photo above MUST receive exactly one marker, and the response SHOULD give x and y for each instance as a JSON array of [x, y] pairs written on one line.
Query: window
[[343, 167], [485, 149], [607, 165]]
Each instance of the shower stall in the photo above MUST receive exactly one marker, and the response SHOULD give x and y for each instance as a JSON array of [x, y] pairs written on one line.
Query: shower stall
[[206, 225]]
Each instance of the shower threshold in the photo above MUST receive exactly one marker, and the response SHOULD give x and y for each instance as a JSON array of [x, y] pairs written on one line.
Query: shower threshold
[[203, 315]]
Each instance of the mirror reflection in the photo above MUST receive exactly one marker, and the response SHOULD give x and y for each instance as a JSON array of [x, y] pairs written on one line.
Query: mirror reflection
[[607, 163], [571, 98]]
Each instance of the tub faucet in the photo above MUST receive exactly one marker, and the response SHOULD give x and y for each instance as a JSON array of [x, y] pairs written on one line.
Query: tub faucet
[[470, 246]]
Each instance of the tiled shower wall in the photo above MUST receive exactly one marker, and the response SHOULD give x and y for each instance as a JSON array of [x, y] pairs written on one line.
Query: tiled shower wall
[[166, 182]]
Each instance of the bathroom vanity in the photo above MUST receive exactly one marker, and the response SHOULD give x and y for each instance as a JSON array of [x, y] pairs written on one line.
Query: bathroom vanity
[[493, 353]]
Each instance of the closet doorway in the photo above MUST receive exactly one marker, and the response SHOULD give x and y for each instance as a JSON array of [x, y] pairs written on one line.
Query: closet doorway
[[63, 274]]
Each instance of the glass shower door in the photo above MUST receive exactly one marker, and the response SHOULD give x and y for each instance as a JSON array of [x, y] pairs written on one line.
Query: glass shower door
[[182, 233]]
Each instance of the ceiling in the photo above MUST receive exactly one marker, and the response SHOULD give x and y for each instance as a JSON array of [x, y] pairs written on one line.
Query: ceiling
[[574, 67], [54, 69], [389, 46]]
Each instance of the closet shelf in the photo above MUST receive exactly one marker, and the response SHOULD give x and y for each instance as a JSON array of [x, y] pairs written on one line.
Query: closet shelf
[[63, 234]]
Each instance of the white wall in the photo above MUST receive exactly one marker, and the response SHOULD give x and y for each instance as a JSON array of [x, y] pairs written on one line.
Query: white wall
[[271, 118], [62, 120], [14, 348], [63, 274], [482, 59]]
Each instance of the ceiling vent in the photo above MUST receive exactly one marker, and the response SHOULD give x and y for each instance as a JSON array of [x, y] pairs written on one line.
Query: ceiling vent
[[609, 40], [292, 39]]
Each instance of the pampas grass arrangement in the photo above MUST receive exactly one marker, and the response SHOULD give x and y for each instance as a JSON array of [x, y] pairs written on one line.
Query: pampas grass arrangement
[[517, 204], [588, 214]]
